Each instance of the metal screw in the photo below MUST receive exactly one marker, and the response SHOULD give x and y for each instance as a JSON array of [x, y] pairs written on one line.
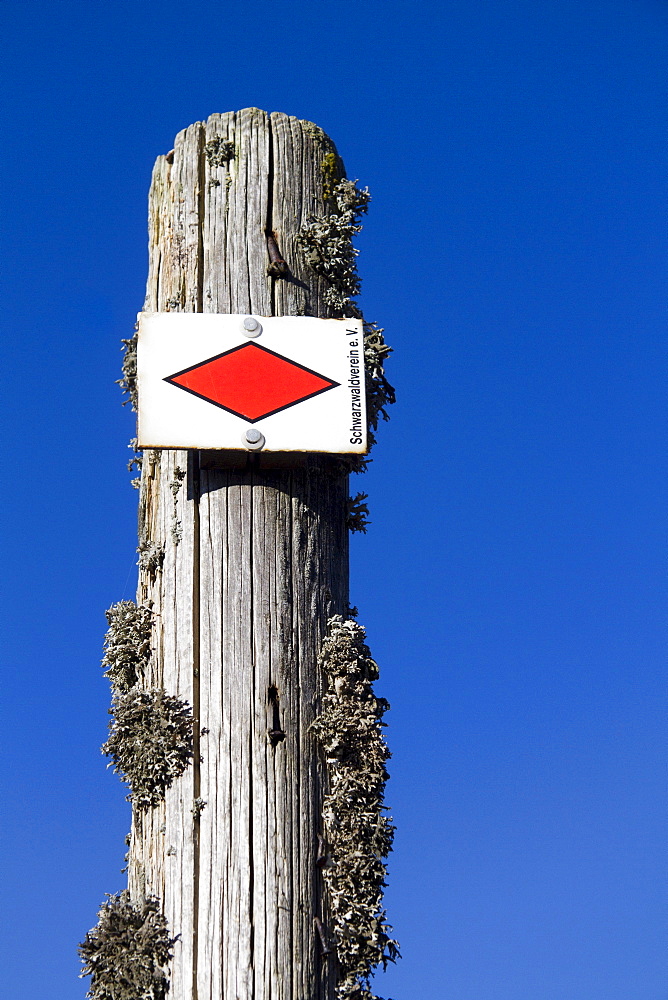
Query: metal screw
[[251, 327], [253, 438]]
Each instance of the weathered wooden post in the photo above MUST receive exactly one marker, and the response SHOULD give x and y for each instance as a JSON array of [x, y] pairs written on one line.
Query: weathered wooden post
[[244, 813]]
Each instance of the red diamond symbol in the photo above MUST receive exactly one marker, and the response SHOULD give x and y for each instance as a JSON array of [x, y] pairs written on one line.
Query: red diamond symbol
[[251, 381]]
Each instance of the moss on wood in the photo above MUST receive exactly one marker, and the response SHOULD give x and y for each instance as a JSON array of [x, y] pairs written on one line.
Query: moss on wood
[[358, 833], [127, 952]]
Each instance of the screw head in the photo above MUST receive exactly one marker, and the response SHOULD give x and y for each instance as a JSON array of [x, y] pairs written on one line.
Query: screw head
[[254, 439], [251, 327]]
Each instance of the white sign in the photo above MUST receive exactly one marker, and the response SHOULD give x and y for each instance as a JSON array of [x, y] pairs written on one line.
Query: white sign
[[277, 383]]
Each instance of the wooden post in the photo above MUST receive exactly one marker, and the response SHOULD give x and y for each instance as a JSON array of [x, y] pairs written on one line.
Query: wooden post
[[243, 562]]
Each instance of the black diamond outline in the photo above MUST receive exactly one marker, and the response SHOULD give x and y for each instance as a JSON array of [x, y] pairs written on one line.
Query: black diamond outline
[[259, 347]]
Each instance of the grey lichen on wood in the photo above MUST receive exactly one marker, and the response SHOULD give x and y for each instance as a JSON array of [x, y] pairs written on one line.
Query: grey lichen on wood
[[127, 644], [326, 245], [150, 742], [379, 393], [175, 486], [127, 952], [151, 732], [128, 379], [358, 833], [151, 556], [134, 463], [219, 151], [358, 512], [318, 135]]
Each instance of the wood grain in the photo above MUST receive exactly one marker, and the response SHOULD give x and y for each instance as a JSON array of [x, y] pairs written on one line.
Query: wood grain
[[255, 561]]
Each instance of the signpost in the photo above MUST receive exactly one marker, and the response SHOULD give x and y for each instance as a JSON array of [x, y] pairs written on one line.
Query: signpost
[[261, 383], [251, 408]]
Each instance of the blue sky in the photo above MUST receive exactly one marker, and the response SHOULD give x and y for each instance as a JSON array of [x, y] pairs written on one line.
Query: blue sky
[[512, 580]]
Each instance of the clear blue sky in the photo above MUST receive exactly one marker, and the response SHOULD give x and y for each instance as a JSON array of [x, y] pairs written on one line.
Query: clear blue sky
[[512, 579]]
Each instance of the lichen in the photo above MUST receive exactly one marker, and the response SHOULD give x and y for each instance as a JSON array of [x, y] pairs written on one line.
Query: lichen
[[198, 807], [128, 379], [127, 644], [151, 557], [135, 462], [127, 952], [326, 245], [150, 742], [177, 482], [357, 512], [128, 384], [357, 832], [219, 151], [379, 393], [325, 242], [175, 486], [330, 169], [317, 134]]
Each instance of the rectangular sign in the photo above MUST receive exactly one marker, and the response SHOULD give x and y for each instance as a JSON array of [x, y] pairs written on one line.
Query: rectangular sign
[[261, 383]]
